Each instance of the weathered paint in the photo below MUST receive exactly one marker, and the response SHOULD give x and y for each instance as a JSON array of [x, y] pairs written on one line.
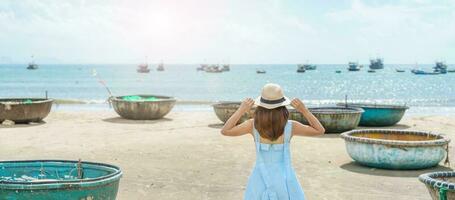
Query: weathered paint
[[379, 114], [18, 112], [334, 119], [100, 181], [435, 181], [395, 157], [143, 110], [224, 110], [412, 151]]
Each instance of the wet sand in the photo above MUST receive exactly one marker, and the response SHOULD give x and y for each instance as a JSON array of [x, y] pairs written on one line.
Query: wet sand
[[185, 157]]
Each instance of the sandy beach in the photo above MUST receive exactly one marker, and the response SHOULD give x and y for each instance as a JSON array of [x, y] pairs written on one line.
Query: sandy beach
[[183, 156]]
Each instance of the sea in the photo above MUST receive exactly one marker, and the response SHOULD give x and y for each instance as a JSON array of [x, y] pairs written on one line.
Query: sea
[[83, 86]]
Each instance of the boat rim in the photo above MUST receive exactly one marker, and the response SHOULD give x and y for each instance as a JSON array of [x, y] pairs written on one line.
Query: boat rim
[[429, 178], [348, 136], [160, 98], [333, 110], [373, 105], [117, 173], [34, 100]]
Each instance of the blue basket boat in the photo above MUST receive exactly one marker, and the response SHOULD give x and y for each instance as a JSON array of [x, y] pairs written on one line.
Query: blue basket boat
[[396, 149], [58, 179], [378, 114], [440, 185]]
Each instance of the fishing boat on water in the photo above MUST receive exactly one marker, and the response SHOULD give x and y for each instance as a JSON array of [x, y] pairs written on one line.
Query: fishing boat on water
[[226, 67], [353, 66], [422, 72], [213, 69], [308, 66], [371, 71], [160, 67], [32, 65], [451, 71], [338, 71], [376, 63], [202, 67], [400, 70], [143, 68], [260, 71], [301, 68]]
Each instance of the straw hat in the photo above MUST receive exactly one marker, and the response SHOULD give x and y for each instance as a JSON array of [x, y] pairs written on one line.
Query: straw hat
[[272, 96]]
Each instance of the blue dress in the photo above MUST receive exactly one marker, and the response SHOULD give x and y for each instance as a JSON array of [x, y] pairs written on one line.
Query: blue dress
[[273, 177]]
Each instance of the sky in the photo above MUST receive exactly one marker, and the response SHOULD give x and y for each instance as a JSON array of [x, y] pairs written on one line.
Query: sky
[[226, 31]]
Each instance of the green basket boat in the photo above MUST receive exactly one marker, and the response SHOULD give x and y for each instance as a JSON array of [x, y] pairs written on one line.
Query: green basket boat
[[378, 114], [24, 110], [224, 110], [58, 179], [440, 185], [142, 107], [396, 149]]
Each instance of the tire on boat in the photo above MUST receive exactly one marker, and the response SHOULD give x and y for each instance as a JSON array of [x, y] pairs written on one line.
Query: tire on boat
[[437, 182], [24, 110], [396, 149], [143, 110]]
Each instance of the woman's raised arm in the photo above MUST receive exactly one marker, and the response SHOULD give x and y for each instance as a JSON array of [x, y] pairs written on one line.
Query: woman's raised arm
[[315, 128], [230, 128]]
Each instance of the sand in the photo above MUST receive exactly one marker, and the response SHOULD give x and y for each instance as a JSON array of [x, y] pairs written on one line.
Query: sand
[[185, 157]]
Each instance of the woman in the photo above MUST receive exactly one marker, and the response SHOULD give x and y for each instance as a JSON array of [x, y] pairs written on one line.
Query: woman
[[273, 177]]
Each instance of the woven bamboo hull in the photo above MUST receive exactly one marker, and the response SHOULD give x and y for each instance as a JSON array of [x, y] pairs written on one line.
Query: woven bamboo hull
[[143, 110], [224, 110], [100, 181], [21, 112], [334, 119], [395, 149]]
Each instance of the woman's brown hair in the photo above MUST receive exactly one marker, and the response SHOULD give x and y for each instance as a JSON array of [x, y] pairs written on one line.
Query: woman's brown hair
[[270, 123]]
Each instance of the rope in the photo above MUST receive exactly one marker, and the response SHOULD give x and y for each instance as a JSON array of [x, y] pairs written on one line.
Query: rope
[[442, 193]]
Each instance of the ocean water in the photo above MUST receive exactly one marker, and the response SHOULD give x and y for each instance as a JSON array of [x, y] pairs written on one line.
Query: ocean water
[[320, 87]]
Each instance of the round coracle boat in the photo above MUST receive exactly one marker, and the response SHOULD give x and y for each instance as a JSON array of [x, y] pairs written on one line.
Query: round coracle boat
[[378, 114], [142, 107], [440, 185], [334, 119], [58, 179], [24, 110], [396, 149], [224, 110]]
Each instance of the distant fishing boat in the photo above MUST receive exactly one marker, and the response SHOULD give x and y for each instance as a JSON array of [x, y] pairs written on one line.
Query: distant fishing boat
[[202, 67], [399, 70], [160, 67], [440, 67], [421, 72], [213, 69], [260, 71], [307, 66], [371, 71], [32, 65], [143, 68], [226, 68], [301, 68], [376, 63], [451, 71], [353, 66], [338, 71]]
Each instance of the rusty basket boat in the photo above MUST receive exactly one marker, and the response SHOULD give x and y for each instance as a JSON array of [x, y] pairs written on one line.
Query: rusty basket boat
[[24, 110], [440, 185], [143, 109], [224, 110]]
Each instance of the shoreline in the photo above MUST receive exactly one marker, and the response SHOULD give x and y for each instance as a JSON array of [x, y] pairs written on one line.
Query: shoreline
[[184, 156]]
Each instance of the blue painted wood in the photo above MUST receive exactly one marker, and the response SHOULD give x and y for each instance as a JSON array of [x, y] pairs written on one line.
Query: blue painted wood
[[57, 179]]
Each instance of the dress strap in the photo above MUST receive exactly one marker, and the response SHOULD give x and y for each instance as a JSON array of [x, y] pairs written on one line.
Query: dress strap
[[288, 132]]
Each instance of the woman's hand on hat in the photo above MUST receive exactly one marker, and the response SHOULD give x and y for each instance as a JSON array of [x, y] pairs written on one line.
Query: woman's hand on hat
[[246, 104], [298, 104]]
